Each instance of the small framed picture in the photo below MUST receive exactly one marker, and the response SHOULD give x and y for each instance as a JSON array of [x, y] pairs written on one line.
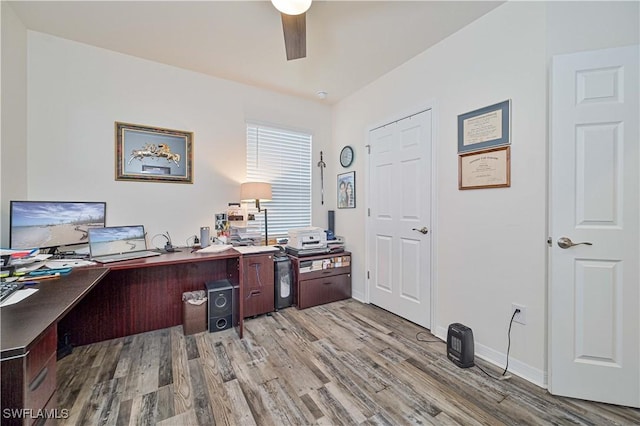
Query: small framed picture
[[153, 154], [347, 190]]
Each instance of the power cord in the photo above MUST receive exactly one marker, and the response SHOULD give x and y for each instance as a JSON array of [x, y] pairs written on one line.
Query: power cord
[[427, 341], [154, 238], [192, 241], [168, 247], [504, 375]]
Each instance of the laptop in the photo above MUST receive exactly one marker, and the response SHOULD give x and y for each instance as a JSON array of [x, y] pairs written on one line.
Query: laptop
[[117, 243]]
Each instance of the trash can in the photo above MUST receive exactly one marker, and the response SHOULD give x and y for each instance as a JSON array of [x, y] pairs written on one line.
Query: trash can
[[283, 282], [194, 312]]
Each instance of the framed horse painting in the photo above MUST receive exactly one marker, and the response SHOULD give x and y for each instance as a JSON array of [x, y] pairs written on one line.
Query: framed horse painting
[[153, 154]]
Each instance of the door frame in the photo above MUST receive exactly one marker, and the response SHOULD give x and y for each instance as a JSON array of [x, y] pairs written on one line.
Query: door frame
[[431, 105]]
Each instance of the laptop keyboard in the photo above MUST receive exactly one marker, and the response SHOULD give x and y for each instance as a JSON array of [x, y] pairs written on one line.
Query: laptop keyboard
[[126, 256]]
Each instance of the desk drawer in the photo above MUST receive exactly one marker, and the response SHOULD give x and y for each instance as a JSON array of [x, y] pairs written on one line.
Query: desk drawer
[[41, 351], [41, 370], [39, 390], [324, 290], [259, 301], [323, 273]]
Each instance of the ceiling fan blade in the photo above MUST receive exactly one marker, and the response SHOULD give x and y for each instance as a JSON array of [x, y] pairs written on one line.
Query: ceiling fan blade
[[295, 35]]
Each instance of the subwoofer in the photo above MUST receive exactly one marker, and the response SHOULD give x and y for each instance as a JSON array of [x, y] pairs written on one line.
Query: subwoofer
[[220, 299]]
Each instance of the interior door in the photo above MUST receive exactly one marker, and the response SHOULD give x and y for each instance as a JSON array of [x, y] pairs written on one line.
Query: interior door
[[399, 252], [594, 220]]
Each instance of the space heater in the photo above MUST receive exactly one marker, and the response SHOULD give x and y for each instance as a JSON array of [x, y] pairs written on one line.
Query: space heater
[[460, 345]]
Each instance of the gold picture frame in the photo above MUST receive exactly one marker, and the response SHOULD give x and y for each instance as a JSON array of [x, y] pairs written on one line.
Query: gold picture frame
[[490, 168], [153, 154]]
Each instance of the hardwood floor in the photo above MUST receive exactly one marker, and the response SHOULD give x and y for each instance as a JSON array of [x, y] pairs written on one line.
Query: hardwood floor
[[343, 363]]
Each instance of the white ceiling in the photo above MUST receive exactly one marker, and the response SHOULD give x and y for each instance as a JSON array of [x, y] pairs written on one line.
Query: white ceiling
[[349, 43]]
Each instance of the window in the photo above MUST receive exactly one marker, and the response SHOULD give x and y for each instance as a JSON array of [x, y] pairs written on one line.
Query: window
[[283, 158]]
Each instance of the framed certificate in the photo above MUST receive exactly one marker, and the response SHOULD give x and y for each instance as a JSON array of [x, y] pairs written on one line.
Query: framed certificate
[[490, 168], [485, 127]]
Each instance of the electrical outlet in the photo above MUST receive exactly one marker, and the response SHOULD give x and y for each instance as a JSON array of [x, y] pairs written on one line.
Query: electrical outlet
[[520, 317]]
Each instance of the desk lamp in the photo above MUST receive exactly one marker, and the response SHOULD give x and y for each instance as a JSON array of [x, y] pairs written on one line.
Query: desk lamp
[[257, 191]]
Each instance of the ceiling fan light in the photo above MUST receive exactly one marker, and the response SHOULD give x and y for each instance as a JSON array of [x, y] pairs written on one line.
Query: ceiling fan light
[[292, 7]]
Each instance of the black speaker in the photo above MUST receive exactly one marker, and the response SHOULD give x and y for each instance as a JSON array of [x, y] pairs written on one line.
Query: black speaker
[[331, 218], [460, 345], [220, 299]]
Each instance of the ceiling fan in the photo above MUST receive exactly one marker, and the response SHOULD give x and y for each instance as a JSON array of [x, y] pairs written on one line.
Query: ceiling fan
[[294, 26]]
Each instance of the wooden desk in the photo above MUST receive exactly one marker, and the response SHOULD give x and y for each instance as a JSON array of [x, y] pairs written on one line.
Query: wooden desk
[[94, 304], [29, 341], [146, 294]]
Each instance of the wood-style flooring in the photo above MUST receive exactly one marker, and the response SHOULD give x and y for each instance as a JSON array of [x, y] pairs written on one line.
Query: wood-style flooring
[[344, 363]]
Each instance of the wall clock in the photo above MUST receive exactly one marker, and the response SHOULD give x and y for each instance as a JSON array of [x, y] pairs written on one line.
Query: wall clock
[[346, 156]]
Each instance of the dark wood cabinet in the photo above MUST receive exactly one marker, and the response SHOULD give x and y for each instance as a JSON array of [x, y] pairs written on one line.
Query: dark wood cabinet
[[257, 288], [321, 279], [134, 300], [35, 389]]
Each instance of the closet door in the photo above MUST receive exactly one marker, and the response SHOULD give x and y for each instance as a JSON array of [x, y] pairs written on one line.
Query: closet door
[[400, 218]]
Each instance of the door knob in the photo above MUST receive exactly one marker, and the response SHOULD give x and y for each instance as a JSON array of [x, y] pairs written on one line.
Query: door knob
[[423, 230], [565, 243]]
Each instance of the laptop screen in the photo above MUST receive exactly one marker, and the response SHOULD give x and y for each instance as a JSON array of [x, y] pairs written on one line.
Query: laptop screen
[[116, 240]]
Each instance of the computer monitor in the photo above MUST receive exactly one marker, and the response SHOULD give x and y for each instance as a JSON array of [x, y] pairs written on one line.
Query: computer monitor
[[52, 224]]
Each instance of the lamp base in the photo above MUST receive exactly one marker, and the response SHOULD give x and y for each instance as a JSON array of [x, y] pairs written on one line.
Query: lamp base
[[266, 229]]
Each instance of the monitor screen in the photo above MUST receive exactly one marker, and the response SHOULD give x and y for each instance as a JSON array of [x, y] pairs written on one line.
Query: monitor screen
[[51, 224]]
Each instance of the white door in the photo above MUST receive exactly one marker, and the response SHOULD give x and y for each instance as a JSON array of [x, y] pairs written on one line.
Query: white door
[[594, 299], [399, 252]]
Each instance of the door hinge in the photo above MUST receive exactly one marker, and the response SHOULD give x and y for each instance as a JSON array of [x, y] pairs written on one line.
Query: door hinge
[[368, 149], [368, 276], [369, 212]]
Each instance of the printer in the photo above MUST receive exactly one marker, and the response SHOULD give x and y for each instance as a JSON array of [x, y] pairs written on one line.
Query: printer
[[307, 238]]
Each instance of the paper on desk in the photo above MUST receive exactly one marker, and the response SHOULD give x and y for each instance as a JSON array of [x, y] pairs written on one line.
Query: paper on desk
[[215, 248], [29, 260], [68, 263], [30, 267], [18, 296], [256, 249]]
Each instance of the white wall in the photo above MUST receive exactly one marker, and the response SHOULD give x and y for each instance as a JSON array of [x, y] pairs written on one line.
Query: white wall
[[591, 25], [77, 92], [13, 150], [490, 244]]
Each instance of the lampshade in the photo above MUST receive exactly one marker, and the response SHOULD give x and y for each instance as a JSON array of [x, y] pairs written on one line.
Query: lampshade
[[251, 191], [292, 7]]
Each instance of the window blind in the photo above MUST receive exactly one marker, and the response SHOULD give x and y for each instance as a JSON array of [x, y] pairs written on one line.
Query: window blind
[[283, 158]]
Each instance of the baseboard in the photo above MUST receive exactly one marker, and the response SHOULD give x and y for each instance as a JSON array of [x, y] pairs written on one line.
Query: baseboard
[[360, 297], [499, 359]]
